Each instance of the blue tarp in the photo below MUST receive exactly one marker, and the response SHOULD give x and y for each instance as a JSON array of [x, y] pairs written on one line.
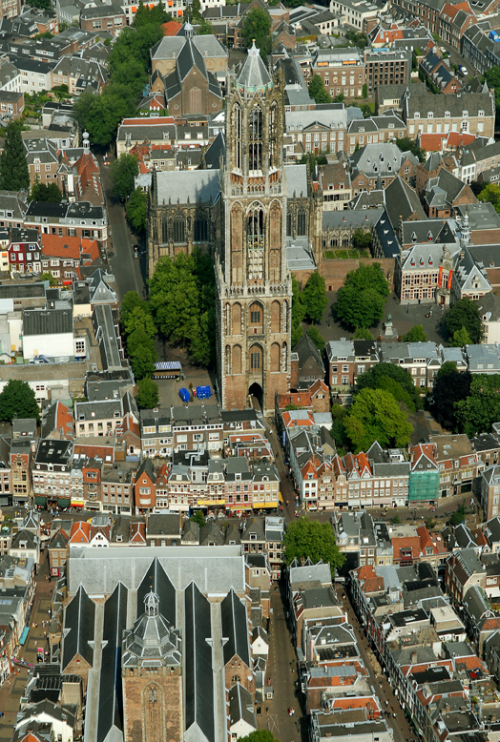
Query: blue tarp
[[184, 394], [24, 635], [203, 392]]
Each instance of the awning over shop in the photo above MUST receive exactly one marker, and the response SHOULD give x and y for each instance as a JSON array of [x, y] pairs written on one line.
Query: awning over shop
[[77, 503], [204, 503], [281, 498], [63, 502], [24, 635], [40, 500], [258, 505]]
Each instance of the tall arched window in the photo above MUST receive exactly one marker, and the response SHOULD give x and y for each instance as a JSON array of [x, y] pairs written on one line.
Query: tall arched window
[[284, 357], [200, 228], [275, 316], [236, 120], [237, 359], [255, 132], [164, 231], [301, 223], [255, 242], [255, 359], [236, 319], [195, 100], [273, 135], [256, 318], [288, 225], [275, 357], [179, 229]]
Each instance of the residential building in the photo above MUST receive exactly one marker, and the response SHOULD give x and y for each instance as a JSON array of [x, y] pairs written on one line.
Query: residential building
[[346, 360], [342, 71], [465, 112], [458, 463], [424, 475], [52, 480], [111, 18], [387, 67]]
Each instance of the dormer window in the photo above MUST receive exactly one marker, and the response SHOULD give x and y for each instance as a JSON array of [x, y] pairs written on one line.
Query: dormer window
[[417, 114], [465, 114], [447, 114], [430, 114], [480, 113]]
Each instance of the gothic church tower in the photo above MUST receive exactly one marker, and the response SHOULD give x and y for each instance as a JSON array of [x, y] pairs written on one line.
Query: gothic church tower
[[253, 282]]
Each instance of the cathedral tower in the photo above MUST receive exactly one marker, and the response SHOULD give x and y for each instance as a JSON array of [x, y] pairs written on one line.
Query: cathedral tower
[[253, 282], [152, 678]]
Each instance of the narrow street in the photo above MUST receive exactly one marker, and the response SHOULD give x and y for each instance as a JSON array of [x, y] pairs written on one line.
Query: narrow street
[[127, 270], [13, 688]]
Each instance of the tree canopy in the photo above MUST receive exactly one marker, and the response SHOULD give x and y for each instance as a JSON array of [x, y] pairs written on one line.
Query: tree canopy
[[490, 192], [361, 300], [260, 735], [257, 26], [137, 210], [147, 394], [317, 90], [43, 192], [306, 539], [376, 416], [316, 337], [128, 63], [415, 335], [139, 330], [402, 387], [14, 172], [406, 144], [314, 298], [492, 77], [182, 299], [123, 172], [477, 412], [298, 312], [361, 239], [18, 401], [450, 386], [464, 313]]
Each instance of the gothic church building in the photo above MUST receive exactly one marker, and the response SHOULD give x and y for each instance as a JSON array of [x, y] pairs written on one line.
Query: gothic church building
[[246, 213]]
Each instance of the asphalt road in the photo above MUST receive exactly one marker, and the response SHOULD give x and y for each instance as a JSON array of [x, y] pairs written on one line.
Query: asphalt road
[[128, 271]]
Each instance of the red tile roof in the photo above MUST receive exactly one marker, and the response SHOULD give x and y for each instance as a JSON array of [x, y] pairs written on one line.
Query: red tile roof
[[55, 246], [171, 28], [80, 532]]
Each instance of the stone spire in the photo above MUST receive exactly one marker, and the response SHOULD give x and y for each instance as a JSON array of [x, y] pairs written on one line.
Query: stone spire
[[253, 76]]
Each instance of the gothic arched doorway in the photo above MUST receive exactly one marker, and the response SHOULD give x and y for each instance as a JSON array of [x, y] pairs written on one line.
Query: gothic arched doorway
[[256, 396]]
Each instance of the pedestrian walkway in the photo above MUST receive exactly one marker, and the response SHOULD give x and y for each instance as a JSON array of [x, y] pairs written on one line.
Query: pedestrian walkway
[[13, 688]]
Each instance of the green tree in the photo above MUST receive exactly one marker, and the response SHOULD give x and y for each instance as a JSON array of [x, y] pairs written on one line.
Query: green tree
[[314, 297], [142, 353], [199, 518], [317, 90], [376, 416], [139, 319], [376, 378], [481, 408], [490, 192], [131, 301], [298, 312], [339, 434], [365, 90], [357, 309], [148, 394], [14, 173], [316, 337], [41, 4], [361, 240], [415, 335], [450, 386], [306, 539], [361, 300], [460, 338], [137, 210], [260, 735], [492, 77], [142, 16], [43, 192], [464, 313], [257, 26], [459, 515], [362, 334], [123, 172], [48, 277], [409, 145], [18, 401]]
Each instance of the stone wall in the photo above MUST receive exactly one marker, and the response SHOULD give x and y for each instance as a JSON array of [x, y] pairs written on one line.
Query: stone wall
[[334, 271]]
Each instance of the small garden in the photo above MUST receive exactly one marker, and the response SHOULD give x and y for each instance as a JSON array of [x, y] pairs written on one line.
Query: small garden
[[345, 254]]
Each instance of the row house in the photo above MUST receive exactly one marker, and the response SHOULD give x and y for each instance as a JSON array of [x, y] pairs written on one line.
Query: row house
[[104, 417], [376, 478], [53, 483], [335, 184], [424, 273], [383, 128], [43, 161], [387, 67], [63, 256], [342, 71], [421, 360], [472, 113], [196, 428], [377, 165], [434, 68], [454, 20], [459, 465], [24, 251], [80, 219], [479, 44], [249, 445], [362, 16], [346, 360], [465, 569], [427, 11], [361, 539], [424, 484], [265, 535]]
